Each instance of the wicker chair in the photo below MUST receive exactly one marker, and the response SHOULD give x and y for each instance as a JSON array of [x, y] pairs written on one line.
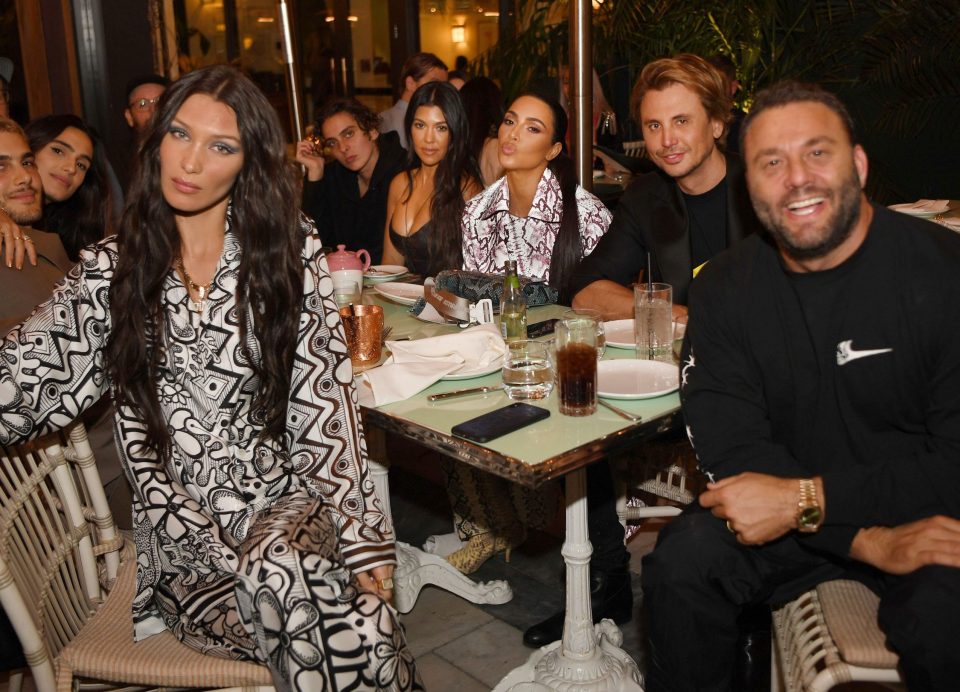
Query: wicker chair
[[828, 636], [67, 581]]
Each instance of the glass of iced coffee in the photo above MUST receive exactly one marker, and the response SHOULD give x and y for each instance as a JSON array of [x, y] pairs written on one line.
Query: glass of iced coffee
[[576, 342]]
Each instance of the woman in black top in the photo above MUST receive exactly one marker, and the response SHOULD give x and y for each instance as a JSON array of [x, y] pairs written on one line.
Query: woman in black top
[[426, 202]]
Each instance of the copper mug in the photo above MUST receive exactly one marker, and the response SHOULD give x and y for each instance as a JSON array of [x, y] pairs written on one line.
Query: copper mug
[[363, 325]]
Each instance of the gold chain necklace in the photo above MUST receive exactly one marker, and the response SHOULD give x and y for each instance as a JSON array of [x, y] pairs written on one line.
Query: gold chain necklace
[[202, 290]]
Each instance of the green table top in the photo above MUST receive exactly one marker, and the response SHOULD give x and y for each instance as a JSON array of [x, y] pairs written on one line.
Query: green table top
[[534, 454]]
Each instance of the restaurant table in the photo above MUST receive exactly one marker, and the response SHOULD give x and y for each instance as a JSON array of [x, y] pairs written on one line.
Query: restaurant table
[[558, 446]]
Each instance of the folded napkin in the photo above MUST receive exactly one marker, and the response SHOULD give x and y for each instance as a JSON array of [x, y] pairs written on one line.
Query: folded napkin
[[923, 206], [415, 365]]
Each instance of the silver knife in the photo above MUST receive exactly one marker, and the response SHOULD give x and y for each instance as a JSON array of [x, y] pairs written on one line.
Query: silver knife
[[462, 392], [620, 412]]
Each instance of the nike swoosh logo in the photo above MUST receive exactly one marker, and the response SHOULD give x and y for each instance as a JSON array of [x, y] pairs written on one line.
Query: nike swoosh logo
[[846, 352]]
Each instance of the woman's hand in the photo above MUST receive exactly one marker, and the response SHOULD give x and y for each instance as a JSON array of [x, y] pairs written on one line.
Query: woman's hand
[[15, 243], [308, 154], [379, 581]]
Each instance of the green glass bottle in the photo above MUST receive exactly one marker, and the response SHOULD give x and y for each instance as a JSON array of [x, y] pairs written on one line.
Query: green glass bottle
[[513, 308]]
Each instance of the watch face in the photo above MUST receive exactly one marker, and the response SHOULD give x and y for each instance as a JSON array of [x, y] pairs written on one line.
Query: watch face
[[810, 516]]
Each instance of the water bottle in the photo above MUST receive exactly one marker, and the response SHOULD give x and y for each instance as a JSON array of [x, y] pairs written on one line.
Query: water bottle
[[513, 308]]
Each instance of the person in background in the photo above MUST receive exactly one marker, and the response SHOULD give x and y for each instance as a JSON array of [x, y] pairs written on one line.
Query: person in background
[[426, 202], [211, 320], [72, 166], [823, 401], [604, 121], [21, 198], [458, 78], [6, 74], [726, 67], [347, 198], [483, 101], [143, 93], [417, 70], [539, 216]]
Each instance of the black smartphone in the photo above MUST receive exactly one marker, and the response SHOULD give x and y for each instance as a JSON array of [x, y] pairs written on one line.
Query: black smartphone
[[538, 329], [498, 423]]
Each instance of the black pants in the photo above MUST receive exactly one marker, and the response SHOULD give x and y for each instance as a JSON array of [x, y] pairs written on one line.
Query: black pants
[[606, 532], [698, 579]]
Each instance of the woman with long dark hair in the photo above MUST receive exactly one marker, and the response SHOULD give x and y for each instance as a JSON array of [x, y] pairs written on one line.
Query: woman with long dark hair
[[539, 216], [537, 213], [77, 202], [211, 319], [483, 102], [426, 202]]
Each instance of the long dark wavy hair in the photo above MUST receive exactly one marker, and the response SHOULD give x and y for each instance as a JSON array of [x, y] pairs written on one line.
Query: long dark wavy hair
[[263, 215], [483, 102], [568, 247], [87, 216], [455, 173]]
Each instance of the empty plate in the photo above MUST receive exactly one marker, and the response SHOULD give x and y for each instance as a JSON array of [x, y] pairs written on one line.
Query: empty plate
[[620, 333], [636, 379], [405, 294]]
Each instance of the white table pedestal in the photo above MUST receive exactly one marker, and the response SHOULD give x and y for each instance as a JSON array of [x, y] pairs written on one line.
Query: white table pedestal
[[416, 568], [589, 657]]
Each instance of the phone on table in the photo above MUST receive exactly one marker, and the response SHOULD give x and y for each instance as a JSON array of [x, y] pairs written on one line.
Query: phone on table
[[538, 329], [498, 423]]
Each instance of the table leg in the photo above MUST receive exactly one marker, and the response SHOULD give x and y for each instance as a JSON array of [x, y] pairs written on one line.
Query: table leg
[[589, 656], [416, 569]]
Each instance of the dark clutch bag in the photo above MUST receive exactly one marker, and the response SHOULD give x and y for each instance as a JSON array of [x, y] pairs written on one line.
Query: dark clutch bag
[[476, 286]]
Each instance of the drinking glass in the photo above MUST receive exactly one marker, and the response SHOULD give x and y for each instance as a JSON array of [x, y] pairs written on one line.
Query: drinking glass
[[576, 340], [346, 292], [594, 315], [363, 326], [527, 370], [653, 321]]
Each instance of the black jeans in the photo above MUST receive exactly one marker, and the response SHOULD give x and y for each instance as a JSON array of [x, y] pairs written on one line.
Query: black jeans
[[698, 579]]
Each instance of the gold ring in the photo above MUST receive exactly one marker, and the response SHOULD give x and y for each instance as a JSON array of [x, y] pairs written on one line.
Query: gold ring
[[385, 584], [730, 528], [18, 237], [26, 238]]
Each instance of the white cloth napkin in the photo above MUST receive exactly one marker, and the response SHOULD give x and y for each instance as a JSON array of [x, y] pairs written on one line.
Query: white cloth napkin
[[415, 365], [923, 206]]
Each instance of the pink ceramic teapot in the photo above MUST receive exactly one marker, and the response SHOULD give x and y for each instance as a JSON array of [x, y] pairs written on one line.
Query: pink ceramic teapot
[[344, 259]]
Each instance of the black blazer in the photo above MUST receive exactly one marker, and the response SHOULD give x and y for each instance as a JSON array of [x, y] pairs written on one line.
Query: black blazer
[[651, 216]]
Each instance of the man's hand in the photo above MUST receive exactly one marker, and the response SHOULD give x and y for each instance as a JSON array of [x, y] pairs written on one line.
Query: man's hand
[[377, 580], [758, 508], [903, 549], [311, 158], [15, 243]]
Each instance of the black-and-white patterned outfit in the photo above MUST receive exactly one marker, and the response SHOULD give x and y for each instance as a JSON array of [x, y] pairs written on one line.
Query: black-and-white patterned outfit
[[246, 547]]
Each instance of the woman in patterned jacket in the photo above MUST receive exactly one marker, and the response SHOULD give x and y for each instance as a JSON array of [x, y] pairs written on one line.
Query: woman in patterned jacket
[[539, 216], [211, 320]]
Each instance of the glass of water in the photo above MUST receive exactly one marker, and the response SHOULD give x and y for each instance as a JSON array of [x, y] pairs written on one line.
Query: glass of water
[[598, 318], [527, 370], [653, 323], [346, 292]]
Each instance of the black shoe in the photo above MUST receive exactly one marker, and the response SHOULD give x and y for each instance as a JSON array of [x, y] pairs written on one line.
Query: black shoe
[[611, 596]]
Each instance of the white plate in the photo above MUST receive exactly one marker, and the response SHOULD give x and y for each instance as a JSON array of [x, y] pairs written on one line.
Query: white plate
[[636, 379], [619, 333], [476, 371], [378, 273], [405, 294]]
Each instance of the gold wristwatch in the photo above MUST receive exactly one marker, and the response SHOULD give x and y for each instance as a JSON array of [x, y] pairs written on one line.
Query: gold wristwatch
[[809, 512]]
